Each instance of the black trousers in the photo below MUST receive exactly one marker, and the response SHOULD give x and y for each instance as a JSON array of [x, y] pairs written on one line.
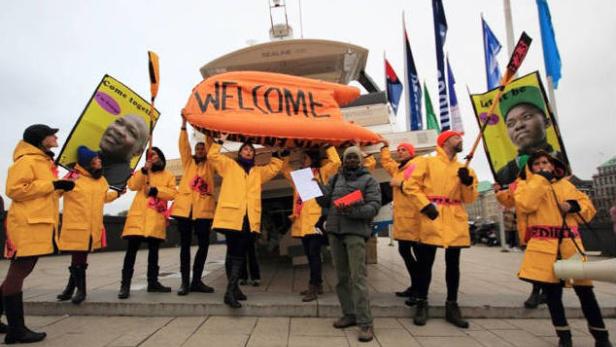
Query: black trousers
[[237, 240], [201, 228], [425, 258], [19, 269], [133, 246], [312, 248], [250, 260], [590, 307], [407, 250]]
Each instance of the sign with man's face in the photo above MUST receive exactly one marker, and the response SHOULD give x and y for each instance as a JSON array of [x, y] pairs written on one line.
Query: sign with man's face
[[521, 123], [116, 123]]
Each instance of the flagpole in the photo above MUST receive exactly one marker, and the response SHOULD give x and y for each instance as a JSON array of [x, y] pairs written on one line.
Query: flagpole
[[407, 88], [552, 98], [509, 27]]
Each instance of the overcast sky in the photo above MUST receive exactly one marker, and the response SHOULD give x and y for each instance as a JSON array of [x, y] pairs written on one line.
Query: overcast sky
[[54, 53]]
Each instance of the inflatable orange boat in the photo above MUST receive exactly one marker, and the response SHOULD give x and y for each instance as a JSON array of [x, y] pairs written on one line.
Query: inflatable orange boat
[[275, 110]]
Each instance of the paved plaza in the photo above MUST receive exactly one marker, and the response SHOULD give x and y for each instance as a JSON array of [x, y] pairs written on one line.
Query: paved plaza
[[490, 295]]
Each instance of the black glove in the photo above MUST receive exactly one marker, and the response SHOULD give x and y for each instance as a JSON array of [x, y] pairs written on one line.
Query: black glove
[[153, 192], [575, 206], [144, 171], [430, 211], [547, 175], [465, 176], [64, 185]]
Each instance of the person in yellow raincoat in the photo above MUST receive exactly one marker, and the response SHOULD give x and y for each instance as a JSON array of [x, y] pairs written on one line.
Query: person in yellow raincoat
[[405, 215], [82, 220], [32, 221], [505, 198], [553, 207], [147, 219], [439, 187], [193, 208], [306, 216], [238, 210]]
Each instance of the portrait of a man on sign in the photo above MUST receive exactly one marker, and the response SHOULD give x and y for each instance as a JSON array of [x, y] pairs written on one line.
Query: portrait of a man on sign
[[523, 124], [117, 124]]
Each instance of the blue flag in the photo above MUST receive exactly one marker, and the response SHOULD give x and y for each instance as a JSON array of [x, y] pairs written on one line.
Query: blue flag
[[491, 47], [454, 109], [440, 33], [394, 87], [413, 90], [551, 57]]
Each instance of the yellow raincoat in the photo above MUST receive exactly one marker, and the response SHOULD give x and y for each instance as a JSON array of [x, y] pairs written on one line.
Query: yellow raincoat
[[538, 199], [82, 216], [306, 216], [198, 201], [505, 198], [240, 193], [370, 162], [147, 216], [405, 214], [33, 216], [435, 180]]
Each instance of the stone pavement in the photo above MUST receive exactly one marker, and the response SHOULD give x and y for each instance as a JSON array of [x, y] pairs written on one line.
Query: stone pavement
[[488, 288], [225, 331]]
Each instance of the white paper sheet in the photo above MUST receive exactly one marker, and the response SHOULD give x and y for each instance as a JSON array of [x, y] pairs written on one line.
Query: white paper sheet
[[305, 186]]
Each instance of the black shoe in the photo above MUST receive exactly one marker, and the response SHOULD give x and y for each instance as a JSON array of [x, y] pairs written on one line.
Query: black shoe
[[239, 294], [411, 301], [405, 293], [454, 316], [67, 293], [80, 282], [564, 338], [534, 299], [602, 338], [199, 286], [127, 276], [17, 331], [235, 268], [157, 287], [421, 312], [184, 289]]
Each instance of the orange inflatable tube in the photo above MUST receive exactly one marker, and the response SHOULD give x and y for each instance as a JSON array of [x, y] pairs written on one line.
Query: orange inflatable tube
[[275, 110]]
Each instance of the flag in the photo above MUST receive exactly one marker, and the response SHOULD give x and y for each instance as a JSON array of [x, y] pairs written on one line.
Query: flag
[[394, 87], [551, 57], [440, 33], [454, 109], [413, 90], [431, 121], [491, 47]]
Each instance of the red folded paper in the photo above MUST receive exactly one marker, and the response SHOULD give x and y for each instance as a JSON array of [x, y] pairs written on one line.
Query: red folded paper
[[349, 199]]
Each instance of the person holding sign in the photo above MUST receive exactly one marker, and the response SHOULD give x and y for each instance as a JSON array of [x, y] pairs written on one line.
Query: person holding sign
[[552, 207], [147, 219], [193, 208], [348, 227], [32, 221], [405, 218], [238, 212], [439, 187], [82, 220], [306, 216]]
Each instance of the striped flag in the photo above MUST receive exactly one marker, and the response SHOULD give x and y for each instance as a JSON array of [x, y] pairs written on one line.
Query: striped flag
[[440, 34], [394, 87]]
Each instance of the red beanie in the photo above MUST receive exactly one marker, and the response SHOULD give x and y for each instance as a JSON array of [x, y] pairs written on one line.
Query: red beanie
[[445, 135], [409, 148]]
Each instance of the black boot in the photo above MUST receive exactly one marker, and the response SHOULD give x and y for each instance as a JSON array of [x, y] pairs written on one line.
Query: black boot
[[564, 338], [197, 284], [3, 327], [80, 281], [235, 268], [405, 293], [67, 293], [153, 285], [239, 295], [454, 316], [17, 330], [127, 276], [421, 312], [184, 287], [602, 338], [534, 299]]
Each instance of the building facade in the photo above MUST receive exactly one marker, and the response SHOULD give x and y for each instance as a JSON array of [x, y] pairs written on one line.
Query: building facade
[[604, 188]]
